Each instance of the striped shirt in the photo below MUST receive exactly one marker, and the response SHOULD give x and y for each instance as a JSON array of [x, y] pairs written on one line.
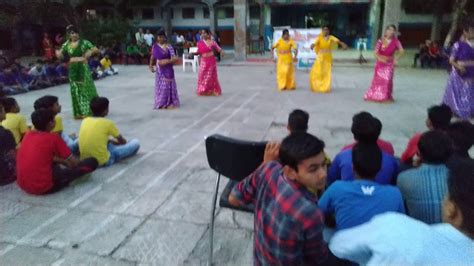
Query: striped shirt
[[424, 189]]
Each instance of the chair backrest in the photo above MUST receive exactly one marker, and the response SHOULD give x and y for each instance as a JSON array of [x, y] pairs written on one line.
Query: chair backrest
[[193, 50], [232, 158]]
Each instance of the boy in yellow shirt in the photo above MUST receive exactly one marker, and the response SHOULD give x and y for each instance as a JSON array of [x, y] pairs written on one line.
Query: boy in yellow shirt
[[95, 134], [52, 103], [14, 121], [107, 67]]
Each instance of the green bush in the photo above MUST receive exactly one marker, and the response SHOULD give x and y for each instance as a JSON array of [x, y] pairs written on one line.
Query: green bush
[[105, 31]]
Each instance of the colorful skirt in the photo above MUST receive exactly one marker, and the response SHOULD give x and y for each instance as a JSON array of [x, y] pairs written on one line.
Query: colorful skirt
[[166, 92], [459, 95], [82, 89], [208, 83], [382, 84]]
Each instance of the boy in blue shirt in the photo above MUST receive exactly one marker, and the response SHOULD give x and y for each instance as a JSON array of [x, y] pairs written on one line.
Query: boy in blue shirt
[[356, 202], [366, 129]]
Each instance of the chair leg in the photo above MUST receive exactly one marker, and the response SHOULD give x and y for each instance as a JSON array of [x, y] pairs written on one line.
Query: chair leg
[[211, 227]]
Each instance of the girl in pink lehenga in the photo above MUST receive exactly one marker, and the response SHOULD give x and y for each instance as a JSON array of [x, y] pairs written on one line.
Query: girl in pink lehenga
[[385, 52], [208, 84]]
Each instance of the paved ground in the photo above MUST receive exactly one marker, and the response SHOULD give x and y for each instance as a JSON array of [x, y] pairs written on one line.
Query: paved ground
[[154, 208]]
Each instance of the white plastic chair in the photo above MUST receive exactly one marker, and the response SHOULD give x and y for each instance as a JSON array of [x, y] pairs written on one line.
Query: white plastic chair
[[361, 42], [194, 62]]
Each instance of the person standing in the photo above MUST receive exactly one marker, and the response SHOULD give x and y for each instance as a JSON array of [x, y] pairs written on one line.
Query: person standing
[[285, 68], [80, 78], [387, 51], [148, 38], [47, 47], [139, 37], [459, 94], [161, 62], [208, 82], [320, 77]]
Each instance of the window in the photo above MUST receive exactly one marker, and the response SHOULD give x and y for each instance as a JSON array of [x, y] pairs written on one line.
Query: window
[[205, 12], [254, 12], [148, 13], [188, 13], [229, 12]]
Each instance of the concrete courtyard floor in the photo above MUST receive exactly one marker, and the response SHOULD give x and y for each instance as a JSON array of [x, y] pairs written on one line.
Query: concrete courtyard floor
[[153, 209]]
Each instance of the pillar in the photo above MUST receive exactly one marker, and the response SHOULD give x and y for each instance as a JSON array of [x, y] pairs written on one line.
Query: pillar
[[267, 14], [392, 12], [167, 21], [212, 19], [375, 13], [240, 29]]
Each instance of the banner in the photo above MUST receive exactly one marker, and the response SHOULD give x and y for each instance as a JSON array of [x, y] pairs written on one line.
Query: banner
[[303, 39]]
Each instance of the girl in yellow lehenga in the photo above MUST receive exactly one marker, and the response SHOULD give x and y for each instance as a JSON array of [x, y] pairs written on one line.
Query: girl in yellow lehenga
[[285, 67], [320, 77]]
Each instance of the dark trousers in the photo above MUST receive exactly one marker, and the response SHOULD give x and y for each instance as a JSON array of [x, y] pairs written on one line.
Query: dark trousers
[[63, 175]]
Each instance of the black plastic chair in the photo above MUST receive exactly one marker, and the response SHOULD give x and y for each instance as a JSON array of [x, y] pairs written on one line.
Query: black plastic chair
[[234, 159]]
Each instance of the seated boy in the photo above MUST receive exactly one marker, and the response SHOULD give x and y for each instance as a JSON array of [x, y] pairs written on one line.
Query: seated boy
[[7, 153], [51, 103], [356, 202], [12, 82], [356, 132], [107, 67], [298, 121], [95, 132], [461, 133], [288, 224], [439, 118], [367, 129], [38, 74], [51, 73], [94, 65], [14, 121], [44, 162], [396, 239], [425, 187], [62, 70], [133, 51]]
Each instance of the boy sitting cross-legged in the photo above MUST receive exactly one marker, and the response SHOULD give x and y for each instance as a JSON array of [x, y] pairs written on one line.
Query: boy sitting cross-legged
[[94, 136], [44, 162], [14, 121], [7, 153]]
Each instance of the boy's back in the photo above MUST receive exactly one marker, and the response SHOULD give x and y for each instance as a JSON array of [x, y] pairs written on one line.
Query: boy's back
[[356, 202], [94, 136], [16, 123]]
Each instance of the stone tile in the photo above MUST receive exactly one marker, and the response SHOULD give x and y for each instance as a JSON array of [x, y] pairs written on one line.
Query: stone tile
[[160, 242], [25, 255], [22, 224], [203, 180], [72, 258], [149, 202], [10, 208], [106, 237], [188, 206], [227, 218], [231, 247]]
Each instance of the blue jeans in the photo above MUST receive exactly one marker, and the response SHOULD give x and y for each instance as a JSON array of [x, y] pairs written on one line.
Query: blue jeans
[[72, 144], [120, 152]]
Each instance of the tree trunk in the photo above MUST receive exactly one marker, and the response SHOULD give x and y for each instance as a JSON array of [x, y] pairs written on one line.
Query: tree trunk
[[438, 13], [458, 13]]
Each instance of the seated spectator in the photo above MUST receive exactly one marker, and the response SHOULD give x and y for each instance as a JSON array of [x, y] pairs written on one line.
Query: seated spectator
[[95, 67], [94, 136], [39, 76], [21, 73], [50, 102], [51, 73], [11, 84], [144, 53], [133, 51], [435, 56], [396, 239], [439, 117], [116, 52], [356, 202], [288, 225], [107, 67], [7, 153], [422, 54], [424, 188], [15, 122], [62, 70], [44, 162], [462, 133], [149, 38], [298, 121], [358, 132], [367, 129]]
